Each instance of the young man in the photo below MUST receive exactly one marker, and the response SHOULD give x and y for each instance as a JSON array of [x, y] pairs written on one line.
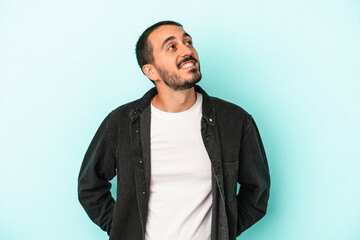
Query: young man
[[178, 155]]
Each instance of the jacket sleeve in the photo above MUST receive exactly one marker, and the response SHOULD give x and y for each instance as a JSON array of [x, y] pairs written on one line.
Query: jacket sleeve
[[254, 178], [97, 169]]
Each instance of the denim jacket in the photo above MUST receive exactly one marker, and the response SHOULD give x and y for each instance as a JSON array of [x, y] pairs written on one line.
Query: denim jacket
[[121, 146]]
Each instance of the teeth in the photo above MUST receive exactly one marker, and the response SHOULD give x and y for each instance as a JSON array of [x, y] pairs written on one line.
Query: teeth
[[186, 65]]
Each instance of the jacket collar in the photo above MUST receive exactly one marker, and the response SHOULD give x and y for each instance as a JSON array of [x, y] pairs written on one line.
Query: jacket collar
[[208, 109]]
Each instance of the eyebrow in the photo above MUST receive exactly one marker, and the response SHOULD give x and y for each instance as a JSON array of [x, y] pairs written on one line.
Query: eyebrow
[[172, 38]]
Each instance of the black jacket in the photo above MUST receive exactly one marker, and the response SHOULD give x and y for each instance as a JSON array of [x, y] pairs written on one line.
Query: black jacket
[[121, 147]]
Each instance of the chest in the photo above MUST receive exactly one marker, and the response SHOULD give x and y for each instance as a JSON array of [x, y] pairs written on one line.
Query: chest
[[178, 154]]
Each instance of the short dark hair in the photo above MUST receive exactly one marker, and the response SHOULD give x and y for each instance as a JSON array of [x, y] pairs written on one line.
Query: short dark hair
[[144, 49]]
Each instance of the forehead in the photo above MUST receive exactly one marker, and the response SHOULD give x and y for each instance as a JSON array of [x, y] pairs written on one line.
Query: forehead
[[163, 32]]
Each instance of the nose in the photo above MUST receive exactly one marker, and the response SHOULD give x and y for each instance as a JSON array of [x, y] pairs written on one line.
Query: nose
[[185, 50]]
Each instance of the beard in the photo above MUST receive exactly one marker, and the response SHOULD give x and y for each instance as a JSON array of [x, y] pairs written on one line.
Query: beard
[[175, 82]]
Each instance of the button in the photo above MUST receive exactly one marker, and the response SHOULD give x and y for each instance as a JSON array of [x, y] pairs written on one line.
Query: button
[[137, 130], [143, 193], [140, 161], [207, 138], [210, 119]]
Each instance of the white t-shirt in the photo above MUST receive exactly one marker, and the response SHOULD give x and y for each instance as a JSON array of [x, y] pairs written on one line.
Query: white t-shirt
[[180, 203]]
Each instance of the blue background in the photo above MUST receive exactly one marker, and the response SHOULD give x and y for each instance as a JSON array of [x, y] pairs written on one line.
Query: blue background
[[294, 65]]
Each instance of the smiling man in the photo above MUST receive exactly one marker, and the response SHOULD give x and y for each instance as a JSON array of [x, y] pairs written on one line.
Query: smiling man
[[178, 153]]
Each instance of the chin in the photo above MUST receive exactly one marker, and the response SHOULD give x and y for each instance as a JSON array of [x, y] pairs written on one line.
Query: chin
[[196, 75], [191, 82]]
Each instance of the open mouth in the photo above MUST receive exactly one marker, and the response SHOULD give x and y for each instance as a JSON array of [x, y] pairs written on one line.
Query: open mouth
[[187, 65]]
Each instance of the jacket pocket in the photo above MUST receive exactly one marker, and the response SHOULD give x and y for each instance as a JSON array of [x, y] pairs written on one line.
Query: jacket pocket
[[230, 171]]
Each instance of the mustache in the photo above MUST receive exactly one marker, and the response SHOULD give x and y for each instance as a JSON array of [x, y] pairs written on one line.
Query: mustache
[[185, 60]]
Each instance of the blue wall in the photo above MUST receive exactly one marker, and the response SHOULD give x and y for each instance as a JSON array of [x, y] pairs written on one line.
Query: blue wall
[[294, 65]]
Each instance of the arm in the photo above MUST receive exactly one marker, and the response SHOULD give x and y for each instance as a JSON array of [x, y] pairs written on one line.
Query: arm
[[253, 177], [97, 169]]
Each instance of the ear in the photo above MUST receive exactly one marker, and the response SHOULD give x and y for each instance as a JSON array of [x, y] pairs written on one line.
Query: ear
[[150, 71]]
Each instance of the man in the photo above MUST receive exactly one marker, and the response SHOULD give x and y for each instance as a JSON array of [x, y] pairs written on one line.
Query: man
[[178, 155]]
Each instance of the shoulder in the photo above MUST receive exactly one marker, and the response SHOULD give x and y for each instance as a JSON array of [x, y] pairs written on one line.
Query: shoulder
[[231, 118], [120, 116], [226, 109], [129, 110], [123, 110]]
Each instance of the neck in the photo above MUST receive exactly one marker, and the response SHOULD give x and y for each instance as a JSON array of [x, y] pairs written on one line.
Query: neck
[[173, 101]]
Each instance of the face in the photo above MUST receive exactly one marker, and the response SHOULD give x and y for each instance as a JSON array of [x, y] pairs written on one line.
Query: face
[[176, 60]]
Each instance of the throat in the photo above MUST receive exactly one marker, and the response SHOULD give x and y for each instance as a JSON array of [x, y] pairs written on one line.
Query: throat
[[174, 101]]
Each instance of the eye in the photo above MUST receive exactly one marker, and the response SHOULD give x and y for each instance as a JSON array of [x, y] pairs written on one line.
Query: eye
[[189, 42], [171, 47]]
